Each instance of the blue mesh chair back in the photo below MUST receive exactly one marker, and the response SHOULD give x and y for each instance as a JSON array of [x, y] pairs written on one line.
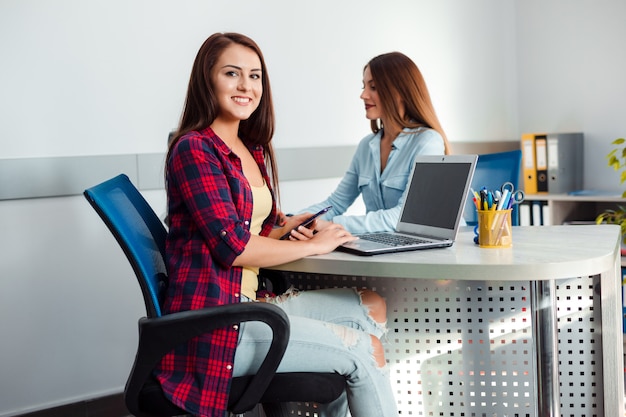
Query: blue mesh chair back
[[493, 170], [139, 232]]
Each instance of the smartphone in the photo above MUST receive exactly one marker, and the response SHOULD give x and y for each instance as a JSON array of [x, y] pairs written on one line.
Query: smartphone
[[307, 222]]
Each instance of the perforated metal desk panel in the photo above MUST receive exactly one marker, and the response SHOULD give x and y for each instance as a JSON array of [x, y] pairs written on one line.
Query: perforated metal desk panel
[[461, 340]]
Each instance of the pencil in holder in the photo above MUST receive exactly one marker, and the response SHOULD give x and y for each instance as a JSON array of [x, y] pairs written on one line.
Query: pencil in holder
[[494, 228]]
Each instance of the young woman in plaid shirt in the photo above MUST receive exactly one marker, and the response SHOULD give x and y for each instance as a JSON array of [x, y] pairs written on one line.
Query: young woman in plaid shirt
[[221, 180]]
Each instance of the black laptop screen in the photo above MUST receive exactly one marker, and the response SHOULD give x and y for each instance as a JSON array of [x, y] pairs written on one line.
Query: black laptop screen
[[435, 194]]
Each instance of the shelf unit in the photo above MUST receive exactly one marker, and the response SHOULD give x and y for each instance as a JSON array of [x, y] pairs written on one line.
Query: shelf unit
[[565, 208]]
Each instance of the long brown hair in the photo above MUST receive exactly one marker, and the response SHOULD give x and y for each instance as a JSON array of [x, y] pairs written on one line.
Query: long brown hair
[[201, 106], [396, 76]]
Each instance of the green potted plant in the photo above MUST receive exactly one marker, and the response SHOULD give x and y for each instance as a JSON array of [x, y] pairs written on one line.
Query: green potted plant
[[617, 160]]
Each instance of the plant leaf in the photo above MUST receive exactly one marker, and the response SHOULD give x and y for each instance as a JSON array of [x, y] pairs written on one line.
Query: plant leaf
[[614, 162]]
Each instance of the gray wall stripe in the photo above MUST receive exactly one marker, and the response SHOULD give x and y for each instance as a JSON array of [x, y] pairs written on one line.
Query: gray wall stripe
[[70, 175]]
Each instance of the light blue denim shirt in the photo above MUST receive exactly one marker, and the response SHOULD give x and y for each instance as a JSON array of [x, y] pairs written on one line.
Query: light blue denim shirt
[[383, 193]]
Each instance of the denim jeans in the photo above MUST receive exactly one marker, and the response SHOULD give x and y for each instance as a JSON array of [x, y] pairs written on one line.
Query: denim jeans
[[330, 332]]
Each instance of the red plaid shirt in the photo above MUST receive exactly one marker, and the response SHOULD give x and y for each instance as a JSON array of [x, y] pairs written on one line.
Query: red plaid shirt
[[210, 208]]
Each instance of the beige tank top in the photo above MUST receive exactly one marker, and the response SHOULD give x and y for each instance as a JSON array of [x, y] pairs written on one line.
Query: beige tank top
[[261, 208]]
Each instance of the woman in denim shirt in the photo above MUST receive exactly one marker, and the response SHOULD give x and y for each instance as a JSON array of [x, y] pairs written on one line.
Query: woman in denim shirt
[[404, 124]]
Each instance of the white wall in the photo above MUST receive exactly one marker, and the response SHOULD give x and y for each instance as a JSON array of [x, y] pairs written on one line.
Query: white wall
[[108, 77], [571, 59], [68, 307]]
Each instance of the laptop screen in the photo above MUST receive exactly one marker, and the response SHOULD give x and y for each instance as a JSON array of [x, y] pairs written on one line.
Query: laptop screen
[[435, 193]]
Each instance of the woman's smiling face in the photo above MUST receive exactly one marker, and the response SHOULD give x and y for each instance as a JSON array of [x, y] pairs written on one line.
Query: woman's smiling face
[[237, 83]]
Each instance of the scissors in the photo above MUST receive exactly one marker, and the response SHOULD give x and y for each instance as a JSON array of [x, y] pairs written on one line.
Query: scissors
[[510, 196]]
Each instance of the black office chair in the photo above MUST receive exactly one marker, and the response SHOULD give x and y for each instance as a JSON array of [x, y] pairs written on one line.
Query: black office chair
[[493, 170], [141, 235]]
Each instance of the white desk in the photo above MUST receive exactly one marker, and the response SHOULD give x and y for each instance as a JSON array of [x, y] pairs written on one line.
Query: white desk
[[540, 258]]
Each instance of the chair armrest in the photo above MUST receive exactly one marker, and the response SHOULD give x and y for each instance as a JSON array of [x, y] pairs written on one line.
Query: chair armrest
[[158, 336]]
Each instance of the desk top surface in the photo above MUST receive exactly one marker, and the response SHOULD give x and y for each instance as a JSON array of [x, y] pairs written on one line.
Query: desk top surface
[[538, 253]]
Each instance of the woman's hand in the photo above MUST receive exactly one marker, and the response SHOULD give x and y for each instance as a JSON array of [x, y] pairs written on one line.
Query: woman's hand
[[305, 233], [322, 224], [327, 239], [288, 224], [263, 252], [281, 219]]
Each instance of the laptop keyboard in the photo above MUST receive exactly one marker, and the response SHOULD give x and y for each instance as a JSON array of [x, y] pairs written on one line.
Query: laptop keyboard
[[392, 239]]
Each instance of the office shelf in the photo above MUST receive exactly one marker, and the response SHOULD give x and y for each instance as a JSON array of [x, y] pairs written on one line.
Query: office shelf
[[565, 208]]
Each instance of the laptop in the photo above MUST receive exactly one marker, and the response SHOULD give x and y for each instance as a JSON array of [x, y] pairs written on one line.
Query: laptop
[[432, 209]]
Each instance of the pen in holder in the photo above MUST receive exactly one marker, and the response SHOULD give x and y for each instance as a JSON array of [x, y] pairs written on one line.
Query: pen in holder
[[494, 228]]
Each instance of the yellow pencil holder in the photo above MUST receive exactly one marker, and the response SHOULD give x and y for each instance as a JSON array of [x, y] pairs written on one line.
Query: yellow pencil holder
[[494, 229]]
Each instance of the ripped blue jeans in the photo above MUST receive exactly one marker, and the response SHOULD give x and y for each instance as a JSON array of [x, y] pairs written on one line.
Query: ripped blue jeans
[[330, 332]]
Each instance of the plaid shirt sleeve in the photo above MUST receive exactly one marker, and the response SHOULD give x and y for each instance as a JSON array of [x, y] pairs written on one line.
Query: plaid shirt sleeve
[[210, 208]]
